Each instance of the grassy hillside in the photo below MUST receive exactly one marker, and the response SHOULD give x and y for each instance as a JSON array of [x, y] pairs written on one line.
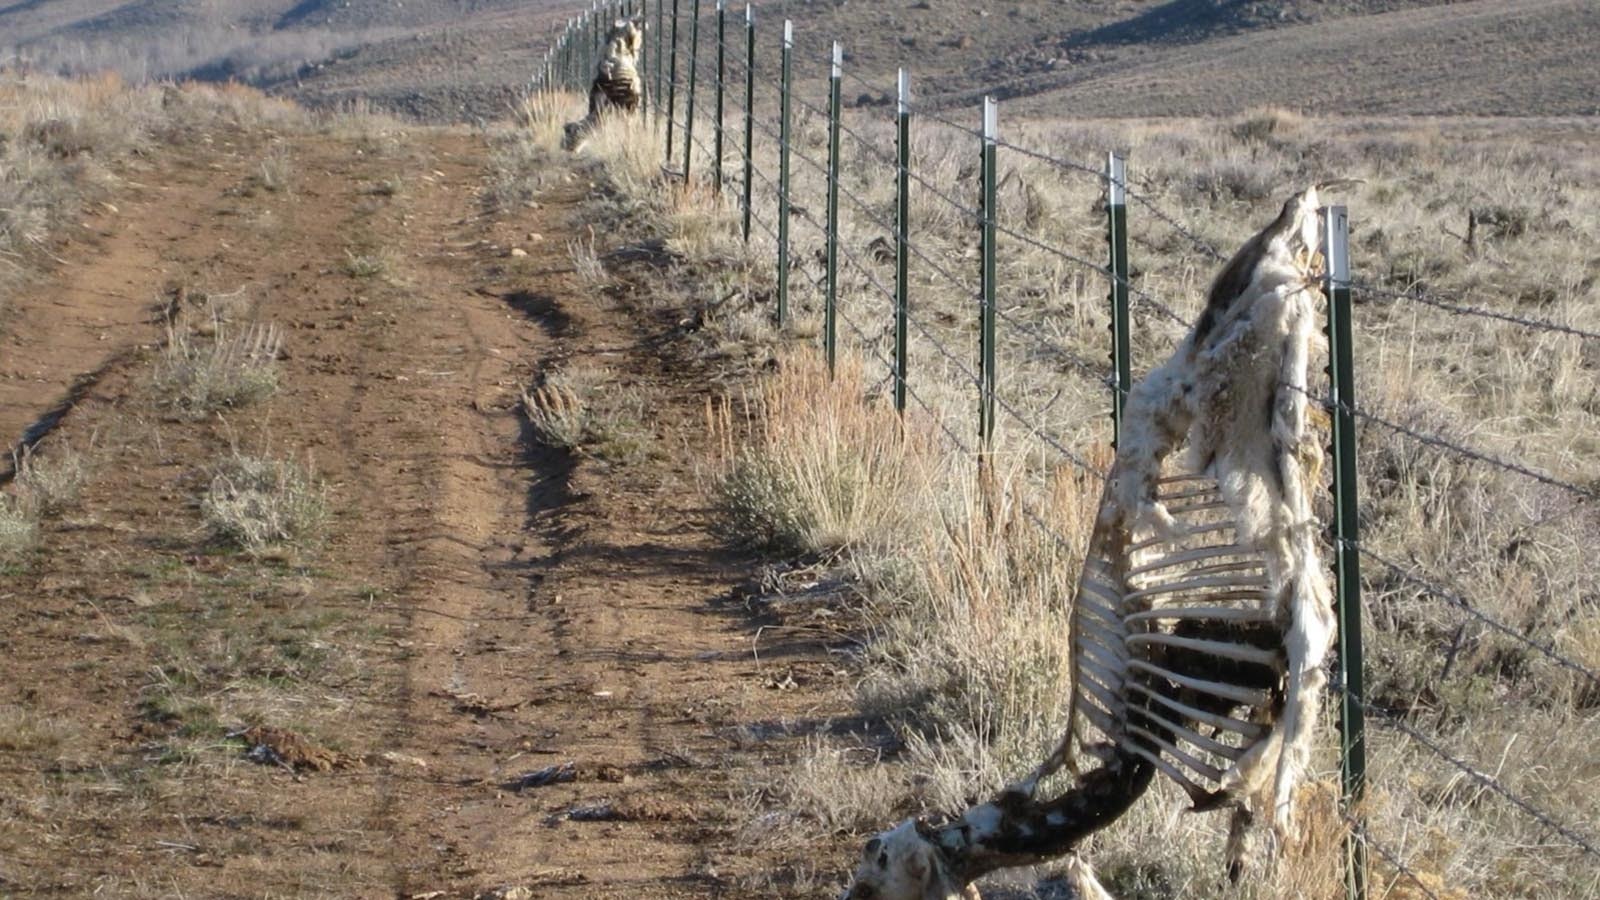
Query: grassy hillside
[[444, 61], [1203, 57], [459, 60]]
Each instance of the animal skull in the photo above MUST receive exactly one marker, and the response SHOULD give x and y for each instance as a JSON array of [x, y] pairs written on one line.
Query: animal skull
[[904, 864]]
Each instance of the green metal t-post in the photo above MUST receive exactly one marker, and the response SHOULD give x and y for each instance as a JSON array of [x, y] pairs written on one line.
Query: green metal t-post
[[642, 19], [785, 57], [688, 109], [722, 73], [1347, 557], [657, 57], [672, 82], [749, 112], [1117, 244], [902, 239], [830, 310], [986, 315]]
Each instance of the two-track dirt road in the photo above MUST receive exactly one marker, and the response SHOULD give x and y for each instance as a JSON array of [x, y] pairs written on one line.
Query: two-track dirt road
[[481, 608]]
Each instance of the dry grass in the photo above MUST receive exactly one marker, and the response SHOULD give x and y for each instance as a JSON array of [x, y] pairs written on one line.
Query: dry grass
[[586, 261], [951, 585], [261, 503], [824, 469], [230, 369], [19, 527], [48, 482], [374, 264], [44, 484], [66, 140], [580, 409]]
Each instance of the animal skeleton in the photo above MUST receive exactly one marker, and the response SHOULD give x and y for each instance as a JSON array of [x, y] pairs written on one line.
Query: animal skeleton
[[616, 85], [1202, 617]]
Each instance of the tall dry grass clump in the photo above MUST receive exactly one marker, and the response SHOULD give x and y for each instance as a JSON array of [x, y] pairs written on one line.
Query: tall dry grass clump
[[262, 503], [815, 466], [19, 527], [964, 571], [229, 369]]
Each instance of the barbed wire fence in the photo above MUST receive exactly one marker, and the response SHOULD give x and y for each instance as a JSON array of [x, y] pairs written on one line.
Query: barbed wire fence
[[757, 103]]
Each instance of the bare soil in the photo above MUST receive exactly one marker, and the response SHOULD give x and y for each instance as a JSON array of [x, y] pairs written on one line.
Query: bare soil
[[506, 665]]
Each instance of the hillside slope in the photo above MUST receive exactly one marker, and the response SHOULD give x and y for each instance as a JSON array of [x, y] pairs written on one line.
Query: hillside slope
[[1483, 58], [466, 59]]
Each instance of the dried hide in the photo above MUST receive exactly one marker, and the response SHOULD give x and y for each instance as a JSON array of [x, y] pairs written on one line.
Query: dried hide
[[617, 85], [1203, 615], [1205, 610]]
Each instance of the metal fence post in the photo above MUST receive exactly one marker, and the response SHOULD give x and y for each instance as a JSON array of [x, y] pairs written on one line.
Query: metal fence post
[[1117, 244], [688, 109], [656, 56], [642, 18], [722, 72], [786, 55], [830, 310], [672, 82], [1347, 559], [749, 110], [902, 243], [986, 354]]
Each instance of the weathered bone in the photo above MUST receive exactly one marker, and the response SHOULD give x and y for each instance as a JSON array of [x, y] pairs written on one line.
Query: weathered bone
[[1208, 613], [1187, 557], [1195, 584], [1199, 766], [1239, 695], [1220, 649], [1202, 593], [1225, 723], [1209, 745], [1110, 639], [1197, 794], [1196, 531]]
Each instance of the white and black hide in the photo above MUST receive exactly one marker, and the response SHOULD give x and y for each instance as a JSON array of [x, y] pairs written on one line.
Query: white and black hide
[[1203, 615], [617, 85]]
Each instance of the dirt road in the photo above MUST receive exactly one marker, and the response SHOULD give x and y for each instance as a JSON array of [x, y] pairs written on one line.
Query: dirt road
[[515, 666]]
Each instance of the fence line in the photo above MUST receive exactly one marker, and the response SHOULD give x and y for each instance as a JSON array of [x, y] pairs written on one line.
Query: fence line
[[571, 62], [1485, 780]]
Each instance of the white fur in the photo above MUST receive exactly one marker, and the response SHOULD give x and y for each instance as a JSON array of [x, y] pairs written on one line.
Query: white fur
[[1235, 396], [1215, 394], [901, 864]]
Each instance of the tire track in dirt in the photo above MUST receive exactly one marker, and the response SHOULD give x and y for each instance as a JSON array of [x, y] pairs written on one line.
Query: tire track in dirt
[[64, 332], [516, 606], [580, 615]]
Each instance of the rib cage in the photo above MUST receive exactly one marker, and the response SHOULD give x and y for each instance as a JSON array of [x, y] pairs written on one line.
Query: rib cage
[[616, 85], [1177, 650]]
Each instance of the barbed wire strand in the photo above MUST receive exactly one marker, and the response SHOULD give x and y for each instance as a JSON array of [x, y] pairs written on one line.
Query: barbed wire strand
[[1462, 309], [1360, 831], [1396, 720], [1441, 443], [1146, 298], [866, 210], [1456, 599], [882, 155]]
